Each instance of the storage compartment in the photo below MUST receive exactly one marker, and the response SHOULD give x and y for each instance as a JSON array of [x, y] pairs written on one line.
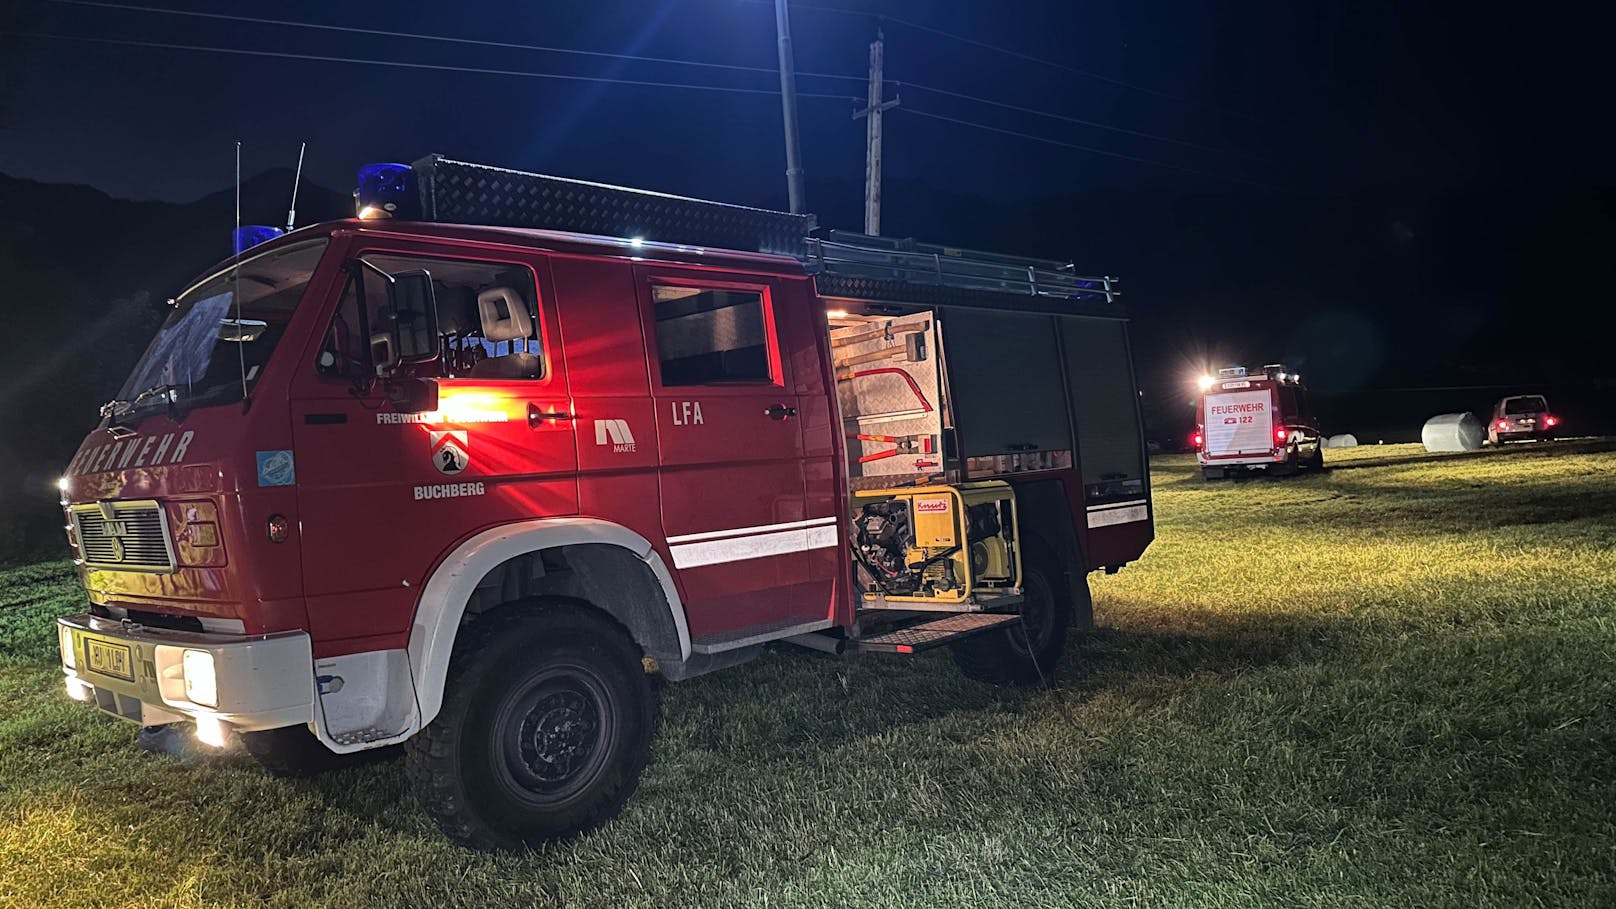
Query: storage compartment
[[951, 546]]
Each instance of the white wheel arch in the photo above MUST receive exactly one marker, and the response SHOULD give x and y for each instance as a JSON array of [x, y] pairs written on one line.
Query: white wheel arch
[[444, 597]]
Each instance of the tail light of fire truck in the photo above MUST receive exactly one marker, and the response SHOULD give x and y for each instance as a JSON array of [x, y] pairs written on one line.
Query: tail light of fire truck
[[1198, 439], [1282, 434]]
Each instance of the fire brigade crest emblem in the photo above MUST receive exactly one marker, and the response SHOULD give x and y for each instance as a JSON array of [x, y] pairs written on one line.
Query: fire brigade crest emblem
[[449, 451]]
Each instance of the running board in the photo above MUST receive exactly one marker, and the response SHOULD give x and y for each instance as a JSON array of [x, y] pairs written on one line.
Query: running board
[[972, 603], [932, 633]]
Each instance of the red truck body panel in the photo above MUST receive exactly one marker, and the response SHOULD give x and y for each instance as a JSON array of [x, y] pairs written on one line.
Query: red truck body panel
[[703, 472]]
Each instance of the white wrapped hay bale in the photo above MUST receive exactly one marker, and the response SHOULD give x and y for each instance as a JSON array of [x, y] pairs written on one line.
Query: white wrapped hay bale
[[1453, 432], [1344, 440]]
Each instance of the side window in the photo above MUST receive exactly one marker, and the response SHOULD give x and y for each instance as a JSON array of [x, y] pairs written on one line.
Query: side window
[[488, 324], [706, 336], [1287, 401]]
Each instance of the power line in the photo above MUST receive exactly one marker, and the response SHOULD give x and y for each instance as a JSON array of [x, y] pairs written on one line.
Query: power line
[[1073, 145], [401, 64], [1078, 120], [476, 42], [418, 36], [986, 46]]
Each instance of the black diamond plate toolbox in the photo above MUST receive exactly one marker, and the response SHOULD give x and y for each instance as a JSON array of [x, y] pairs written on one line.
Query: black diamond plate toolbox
[[457, 192]]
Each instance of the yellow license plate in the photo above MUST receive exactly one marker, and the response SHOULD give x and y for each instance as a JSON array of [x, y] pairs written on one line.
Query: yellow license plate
[[116, 660]]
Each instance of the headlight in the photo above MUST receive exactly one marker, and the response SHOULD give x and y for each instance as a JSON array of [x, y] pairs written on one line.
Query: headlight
[[65, 639], [201, 686]]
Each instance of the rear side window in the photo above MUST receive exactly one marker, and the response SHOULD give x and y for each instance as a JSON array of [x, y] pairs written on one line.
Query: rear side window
[[706, 336]]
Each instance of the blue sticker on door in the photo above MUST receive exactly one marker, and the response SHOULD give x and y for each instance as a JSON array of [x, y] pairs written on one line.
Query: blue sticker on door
[[275, 468]]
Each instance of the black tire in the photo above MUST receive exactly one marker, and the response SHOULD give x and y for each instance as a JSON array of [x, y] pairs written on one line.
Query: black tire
[[293, 752], [1005, 657], [1316, 462], [546, 724], [1288, 467]]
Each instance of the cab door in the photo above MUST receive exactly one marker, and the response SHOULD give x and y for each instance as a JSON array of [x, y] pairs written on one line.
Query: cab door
[[383, 495], [742, 539]]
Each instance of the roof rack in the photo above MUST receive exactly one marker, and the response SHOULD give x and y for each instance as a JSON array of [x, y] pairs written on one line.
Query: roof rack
[[858, 266], [463, 193], [845, 265]]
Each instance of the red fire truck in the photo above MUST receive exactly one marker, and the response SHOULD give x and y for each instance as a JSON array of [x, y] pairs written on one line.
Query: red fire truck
[[463, 472], [1246, 421]]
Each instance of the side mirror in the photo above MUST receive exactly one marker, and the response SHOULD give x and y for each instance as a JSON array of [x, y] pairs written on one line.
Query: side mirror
[[412, 395], [415, 317]]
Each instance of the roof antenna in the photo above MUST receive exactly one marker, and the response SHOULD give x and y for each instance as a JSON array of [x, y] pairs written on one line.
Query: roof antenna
[[291, 213], [235, 276]]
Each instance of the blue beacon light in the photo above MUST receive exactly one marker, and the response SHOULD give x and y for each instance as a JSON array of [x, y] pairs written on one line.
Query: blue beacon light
[[385, 191], [247, 236]]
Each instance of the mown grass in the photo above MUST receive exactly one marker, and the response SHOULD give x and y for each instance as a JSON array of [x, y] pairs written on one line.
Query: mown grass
[[1390, 685]]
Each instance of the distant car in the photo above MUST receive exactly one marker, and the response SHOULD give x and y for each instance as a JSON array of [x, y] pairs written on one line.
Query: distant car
[[1522, 417]]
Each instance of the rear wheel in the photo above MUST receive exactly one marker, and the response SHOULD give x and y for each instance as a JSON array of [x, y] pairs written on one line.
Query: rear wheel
[[1316, 462], [1024, 653], [1289, 466], [545, 726]]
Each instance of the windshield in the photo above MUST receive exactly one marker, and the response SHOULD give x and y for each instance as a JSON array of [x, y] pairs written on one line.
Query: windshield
[[1526, 405], [209, 341]]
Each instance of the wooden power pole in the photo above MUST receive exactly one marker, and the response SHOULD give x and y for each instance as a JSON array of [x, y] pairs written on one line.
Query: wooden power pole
[[872, 139]]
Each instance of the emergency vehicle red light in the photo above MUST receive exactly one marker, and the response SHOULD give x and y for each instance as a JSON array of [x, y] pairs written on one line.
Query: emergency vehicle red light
[[279, 528]]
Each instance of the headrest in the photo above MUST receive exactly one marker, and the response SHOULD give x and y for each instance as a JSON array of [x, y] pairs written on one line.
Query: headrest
[[503, 314]]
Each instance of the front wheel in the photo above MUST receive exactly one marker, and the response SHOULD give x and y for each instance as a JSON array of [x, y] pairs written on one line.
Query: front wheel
[[545, 727], [1024, 653]]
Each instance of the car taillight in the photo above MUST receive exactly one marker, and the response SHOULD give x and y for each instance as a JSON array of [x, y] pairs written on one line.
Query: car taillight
[[1503, 424], [1551, 421]]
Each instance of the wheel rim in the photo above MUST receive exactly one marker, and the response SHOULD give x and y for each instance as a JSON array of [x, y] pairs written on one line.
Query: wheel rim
[[1031, 634], [554, 732]]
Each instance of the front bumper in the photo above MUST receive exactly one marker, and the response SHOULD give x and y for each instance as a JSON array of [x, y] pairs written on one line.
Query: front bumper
[[139, 674]]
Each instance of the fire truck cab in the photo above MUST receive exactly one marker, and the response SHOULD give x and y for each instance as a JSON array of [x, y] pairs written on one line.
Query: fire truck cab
[[1255, 421], [462, 472]]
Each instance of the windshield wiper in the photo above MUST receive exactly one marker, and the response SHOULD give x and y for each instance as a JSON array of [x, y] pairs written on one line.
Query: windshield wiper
[[117, 409]]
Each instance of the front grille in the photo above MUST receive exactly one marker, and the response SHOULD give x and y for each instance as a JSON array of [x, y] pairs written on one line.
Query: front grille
[[134, 537]]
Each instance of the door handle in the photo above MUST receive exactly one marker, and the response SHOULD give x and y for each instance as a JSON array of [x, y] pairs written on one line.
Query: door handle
[[780, 412], [535, 416]]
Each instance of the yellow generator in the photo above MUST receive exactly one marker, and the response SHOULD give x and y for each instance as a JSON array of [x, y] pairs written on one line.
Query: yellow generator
[[948, 548]]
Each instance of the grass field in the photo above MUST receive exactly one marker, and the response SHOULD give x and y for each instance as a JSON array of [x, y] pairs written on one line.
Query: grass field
[[1393, 685]]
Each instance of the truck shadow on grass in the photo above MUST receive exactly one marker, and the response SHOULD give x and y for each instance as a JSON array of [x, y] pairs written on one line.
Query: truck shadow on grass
[[786, 702]]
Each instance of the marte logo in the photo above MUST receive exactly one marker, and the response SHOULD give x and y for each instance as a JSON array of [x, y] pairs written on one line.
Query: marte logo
[[114, 530], [449, 451], [614, 433]]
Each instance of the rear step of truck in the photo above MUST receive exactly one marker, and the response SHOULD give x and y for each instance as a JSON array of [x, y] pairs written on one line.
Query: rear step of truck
[[932, 633]]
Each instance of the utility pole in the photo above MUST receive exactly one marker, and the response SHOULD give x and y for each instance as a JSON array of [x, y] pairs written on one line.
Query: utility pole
[[788, 107], [872, 138]]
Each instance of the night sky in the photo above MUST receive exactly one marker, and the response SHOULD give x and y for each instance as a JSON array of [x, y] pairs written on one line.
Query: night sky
[[1477, 138]]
